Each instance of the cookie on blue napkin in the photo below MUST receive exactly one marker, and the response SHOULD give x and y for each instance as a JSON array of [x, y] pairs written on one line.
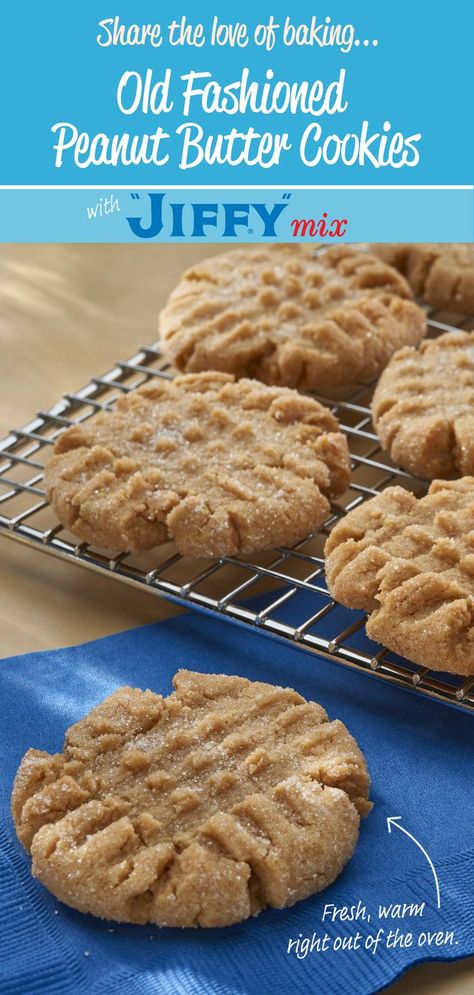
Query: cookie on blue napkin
[[194, 810]]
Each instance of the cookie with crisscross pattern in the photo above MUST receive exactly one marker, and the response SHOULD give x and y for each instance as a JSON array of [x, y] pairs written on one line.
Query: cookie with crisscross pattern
[[288, 317], [196, 809], [440, 273], [221, 467], [423, 407], [410, 563]]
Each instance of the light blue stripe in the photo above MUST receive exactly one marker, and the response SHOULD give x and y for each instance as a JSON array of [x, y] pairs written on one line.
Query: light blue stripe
[[372, 215]]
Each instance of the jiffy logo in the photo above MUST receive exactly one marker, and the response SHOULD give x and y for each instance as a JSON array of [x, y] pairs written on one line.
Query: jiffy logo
[[178, 219]]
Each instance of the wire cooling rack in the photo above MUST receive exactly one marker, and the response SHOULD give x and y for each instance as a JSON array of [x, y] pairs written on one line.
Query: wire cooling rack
[[293, 603]]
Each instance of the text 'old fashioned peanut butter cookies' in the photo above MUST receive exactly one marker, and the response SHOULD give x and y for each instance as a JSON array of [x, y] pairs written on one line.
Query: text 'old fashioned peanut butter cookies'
[[194, 810], [423, 407], [410, 563], [286, 316], [442, 274], [219, 466]]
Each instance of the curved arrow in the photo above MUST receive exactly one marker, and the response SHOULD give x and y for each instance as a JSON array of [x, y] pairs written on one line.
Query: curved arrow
[[394, 821]]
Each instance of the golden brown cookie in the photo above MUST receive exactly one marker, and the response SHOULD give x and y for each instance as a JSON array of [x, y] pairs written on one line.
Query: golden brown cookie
[[194, 810], [440, 273], [423, 407], [410, 563], [286, 316], [218, 466]]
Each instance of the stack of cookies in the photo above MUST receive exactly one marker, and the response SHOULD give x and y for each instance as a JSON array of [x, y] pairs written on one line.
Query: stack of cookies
[[233, 456]]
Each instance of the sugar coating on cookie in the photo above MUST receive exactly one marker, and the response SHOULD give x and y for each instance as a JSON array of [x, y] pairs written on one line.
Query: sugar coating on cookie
[[194, 810], [410, 563], [441, 274], [220, 467], [423, 407], [286, 316]]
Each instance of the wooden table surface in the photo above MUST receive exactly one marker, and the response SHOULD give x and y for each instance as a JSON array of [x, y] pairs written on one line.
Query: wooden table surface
[[66, 313]]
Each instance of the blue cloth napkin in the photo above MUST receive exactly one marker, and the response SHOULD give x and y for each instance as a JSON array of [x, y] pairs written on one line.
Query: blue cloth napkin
[[420, 758]]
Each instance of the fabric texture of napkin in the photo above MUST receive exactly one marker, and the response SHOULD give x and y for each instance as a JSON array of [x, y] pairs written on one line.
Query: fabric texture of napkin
[[420, 758]]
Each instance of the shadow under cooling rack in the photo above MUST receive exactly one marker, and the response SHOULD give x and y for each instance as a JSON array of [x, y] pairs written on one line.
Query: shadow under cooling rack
[[281, 593]]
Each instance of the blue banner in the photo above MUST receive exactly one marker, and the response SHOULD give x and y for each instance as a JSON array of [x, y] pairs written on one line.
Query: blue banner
[[275, 95]]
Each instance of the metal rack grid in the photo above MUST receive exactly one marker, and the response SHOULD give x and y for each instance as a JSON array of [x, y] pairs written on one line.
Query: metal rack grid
[[294, 603]]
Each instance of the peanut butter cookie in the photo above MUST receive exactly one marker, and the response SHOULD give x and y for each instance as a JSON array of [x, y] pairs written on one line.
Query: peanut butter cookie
[[219, 466], [410, 563], [194, 810], [441, 273], [286, 316], [423, 407]]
